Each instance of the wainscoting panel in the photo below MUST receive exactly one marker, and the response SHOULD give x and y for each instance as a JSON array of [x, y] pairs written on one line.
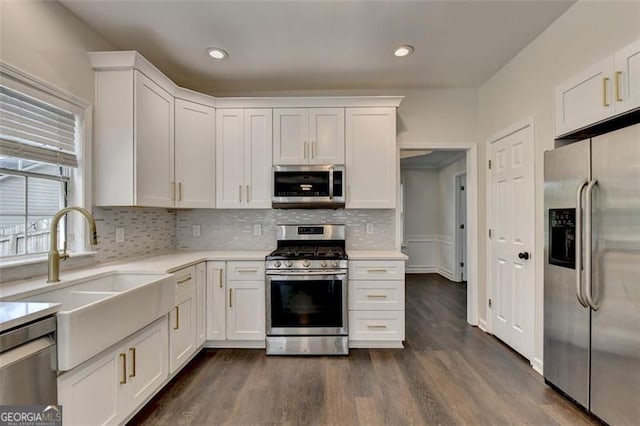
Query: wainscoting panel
[[430, 254]]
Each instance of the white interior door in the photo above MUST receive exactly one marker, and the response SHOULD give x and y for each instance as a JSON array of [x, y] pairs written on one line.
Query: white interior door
[[512, 239]]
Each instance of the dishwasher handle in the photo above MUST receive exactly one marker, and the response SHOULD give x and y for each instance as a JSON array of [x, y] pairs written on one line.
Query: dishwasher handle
[[21, 335], [26, 351]]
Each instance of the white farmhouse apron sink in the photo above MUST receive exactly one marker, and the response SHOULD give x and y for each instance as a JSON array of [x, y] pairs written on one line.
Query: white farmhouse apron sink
[[98, 312]]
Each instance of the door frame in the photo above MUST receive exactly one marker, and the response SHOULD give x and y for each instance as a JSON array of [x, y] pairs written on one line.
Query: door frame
[[458, 235], [487, 324], [471, 150]]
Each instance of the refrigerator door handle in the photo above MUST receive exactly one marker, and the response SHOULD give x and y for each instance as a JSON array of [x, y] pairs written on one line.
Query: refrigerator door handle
[[588, 229], [578, 244]]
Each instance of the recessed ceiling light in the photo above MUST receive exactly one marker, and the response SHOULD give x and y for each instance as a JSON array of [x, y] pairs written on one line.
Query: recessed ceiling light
[[217, 53], [404, 50]]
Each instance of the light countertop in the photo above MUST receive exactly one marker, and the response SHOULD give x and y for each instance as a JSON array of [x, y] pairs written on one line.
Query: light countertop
[[13, 314], [164, 263], [376, 255]]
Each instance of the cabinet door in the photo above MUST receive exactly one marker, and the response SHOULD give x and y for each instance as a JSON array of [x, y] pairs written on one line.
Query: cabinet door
[[201, 303], [229, 158], [371, 157], [182, 322], [258, 135], [148, 363], [90, 392], [153, 140], [627, 78], [245, 310], [586, 98], [216, 301], [195, 155], [326, 130], [290, 136]]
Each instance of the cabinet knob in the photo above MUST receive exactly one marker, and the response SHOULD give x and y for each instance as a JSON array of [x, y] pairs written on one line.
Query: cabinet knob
[[523, 255]]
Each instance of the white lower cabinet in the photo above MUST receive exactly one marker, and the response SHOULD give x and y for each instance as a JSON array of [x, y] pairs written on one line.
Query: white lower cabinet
[[201, 303], [182, 320], [235, 302], [111, 386], [376, 303]]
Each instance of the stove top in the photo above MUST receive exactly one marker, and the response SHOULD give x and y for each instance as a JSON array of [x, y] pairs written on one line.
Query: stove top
[[315, 252], [309, 247]]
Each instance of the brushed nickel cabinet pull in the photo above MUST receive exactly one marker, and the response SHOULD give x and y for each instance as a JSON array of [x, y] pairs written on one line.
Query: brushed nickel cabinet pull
[[185, 279], [313, 149], [605, 81], [241, 270], [177, 318], [618, 75], [123, 357], [220, 277], [376, 270], [230, 297], [240, 193], [376, 295], [248, 198], [376, 326], [133, 362], [179, 191]]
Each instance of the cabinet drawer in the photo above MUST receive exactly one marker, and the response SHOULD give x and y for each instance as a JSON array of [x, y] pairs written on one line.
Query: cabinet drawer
[[185, 279], [376, 325], [376, 270], [376, 295], [245, 270]]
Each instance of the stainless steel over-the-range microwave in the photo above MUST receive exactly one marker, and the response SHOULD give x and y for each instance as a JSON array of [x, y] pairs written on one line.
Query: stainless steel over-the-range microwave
[[307, 186]]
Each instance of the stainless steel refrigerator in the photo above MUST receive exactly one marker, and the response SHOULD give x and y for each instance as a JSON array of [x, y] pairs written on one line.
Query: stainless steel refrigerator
[[592, 273]]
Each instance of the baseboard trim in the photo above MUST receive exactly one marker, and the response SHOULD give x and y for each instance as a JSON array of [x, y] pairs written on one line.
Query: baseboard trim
[[237, 344], [364, 344], [482, 324], [537, 366], [421, 270], [447, 274]]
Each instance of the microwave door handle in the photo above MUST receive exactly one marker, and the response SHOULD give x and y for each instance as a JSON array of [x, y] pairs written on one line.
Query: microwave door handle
[[331, 183]]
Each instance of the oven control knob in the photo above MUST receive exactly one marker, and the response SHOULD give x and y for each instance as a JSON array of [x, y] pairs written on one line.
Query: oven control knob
[[306, 263], [324, 264], [288, 263], [277, 264], [335, 264]]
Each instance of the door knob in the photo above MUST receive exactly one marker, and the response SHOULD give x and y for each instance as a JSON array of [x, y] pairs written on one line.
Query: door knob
[[523, 255]]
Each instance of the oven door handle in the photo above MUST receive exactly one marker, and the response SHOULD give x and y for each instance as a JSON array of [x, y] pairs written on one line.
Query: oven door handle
[[290, 275]]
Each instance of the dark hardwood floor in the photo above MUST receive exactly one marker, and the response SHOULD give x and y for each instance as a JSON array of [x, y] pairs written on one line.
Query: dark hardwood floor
[[448, 373]]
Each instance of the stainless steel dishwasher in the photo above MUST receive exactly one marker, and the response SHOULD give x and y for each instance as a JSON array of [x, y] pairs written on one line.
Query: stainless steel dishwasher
[[28, 364]]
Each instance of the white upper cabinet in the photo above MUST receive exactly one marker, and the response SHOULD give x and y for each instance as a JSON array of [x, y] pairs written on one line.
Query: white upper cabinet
[[371, 157], [308, 136], [194, 155], [134, 141], [627, 78], [243, 158], [603, 90]]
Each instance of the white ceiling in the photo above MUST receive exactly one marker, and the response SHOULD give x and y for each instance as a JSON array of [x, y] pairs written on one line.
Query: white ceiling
[[322, 45]]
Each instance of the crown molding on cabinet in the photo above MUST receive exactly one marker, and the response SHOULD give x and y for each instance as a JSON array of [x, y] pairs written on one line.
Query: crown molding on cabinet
[[131, 59]]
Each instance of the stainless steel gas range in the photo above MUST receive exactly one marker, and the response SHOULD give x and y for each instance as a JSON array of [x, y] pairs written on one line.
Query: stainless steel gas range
[[306, 284]]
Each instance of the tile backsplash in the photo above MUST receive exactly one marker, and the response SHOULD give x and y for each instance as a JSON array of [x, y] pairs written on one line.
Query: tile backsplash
[[149, 231], [234, 229]]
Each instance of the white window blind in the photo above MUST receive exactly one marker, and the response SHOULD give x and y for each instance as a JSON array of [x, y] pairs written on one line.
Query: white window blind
[[35, 130]]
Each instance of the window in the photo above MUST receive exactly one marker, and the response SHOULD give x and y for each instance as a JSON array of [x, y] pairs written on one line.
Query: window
[[37, 159]]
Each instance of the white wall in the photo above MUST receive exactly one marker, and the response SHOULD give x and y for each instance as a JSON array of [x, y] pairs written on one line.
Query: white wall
[[586, 33]]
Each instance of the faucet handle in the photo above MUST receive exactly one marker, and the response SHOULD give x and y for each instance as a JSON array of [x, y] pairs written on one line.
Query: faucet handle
[[64, 255]]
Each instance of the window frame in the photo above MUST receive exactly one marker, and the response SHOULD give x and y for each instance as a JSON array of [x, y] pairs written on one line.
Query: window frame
[[79, 187]]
